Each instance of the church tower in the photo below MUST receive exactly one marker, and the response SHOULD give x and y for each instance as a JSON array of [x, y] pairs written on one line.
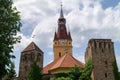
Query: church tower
[[30, 54], [62, 47], [62, 39], [101, 52]]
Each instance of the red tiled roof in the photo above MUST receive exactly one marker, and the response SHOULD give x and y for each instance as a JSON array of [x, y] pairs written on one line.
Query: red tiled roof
[[64, 61], [32, 46]]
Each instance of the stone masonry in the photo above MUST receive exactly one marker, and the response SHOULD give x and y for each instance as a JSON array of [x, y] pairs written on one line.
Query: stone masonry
[[28, 56], [101, 51]]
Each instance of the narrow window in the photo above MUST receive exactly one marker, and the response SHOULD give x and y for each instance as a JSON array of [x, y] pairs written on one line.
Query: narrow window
[[106, 62], [59, 54], [99, 45], [109, 45], [105, 75], [104, 44], [69, 43], [25, 67], [95, 44], [102, 50]]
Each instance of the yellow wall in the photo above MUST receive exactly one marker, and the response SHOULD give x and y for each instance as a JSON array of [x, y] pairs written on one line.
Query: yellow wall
[[59, 48], [60, 70]]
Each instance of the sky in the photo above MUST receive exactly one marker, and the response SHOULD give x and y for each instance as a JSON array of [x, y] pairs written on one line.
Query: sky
[[86, 19]]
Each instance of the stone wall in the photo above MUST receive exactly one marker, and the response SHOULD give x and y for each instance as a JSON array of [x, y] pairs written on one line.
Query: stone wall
[[101, 51], [26, 61]]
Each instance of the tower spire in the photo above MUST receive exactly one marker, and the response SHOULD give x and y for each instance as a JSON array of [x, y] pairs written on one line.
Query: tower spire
[[61, 12]]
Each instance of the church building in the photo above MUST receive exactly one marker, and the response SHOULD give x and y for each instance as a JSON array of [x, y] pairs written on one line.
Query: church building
[[62, 48], [100, 51]]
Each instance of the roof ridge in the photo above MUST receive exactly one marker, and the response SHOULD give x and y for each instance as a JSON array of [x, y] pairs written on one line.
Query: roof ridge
[[63, 58], [78, 61], [32, 46], [66, 60], [59, 60]]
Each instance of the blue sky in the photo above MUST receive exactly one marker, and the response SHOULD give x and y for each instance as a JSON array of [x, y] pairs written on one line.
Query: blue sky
[[109, 3], [86, 19]]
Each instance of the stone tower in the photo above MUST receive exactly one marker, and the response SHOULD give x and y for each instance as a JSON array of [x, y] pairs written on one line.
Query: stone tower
[[30, 54], [101, 51], [62, 39]]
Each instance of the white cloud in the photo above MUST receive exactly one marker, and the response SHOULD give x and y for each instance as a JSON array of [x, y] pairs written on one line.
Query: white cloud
[[80, 57], [85, 18], [25, 40], [118, 60]]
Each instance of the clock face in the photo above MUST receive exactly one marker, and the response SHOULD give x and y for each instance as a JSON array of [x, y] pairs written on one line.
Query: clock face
[[62, 42], [61, 22]]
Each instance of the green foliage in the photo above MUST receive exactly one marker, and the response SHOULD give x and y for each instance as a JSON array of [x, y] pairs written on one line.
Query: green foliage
[[9, 26], [75, 73], [86, 73], [61, 78], [52, 78], [11, 72], [115, 70], [35, 72], [61, 75]]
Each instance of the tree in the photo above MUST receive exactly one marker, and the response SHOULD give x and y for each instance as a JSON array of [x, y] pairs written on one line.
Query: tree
[[11, 72], [62, 74], [9, 26], [115, 70], [86, 73], [61, 78], [75, 73], [35, 72]]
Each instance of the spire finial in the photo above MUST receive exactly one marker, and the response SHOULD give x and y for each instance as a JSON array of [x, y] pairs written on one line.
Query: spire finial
[[61, 12], [61, 3]]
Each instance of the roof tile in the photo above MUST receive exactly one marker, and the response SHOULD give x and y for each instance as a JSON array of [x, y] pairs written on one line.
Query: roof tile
[[32, 46], [64, 61]]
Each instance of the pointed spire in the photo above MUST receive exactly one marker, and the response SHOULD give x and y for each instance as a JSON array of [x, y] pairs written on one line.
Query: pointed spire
[[55, 36], [69, 36], [61, 12]]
